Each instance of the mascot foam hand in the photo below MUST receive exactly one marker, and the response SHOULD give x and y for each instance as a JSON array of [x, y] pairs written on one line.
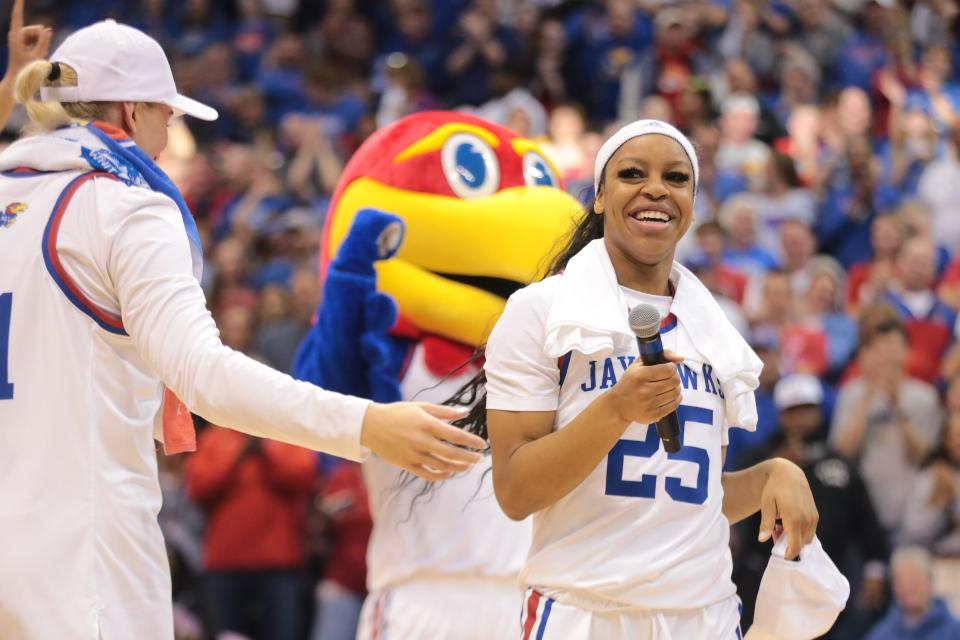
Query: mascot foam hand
[[384, 355], [348, 349]]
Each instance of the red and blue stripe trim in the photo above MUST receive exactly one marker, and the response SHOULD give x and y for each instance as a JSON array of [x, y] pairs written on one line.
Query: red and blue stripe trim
[[533, 608], [563, 362], [668, 323], [106, 320]]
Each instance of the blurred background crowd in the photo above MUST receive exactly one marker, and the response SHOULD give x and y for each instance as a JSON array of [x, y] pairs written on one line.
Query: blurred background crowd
[[828, 224]]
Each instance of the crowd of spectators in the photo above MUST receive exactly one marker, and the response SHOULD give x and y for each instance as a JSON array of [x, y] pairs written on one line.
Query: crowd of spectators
[[828, 225]]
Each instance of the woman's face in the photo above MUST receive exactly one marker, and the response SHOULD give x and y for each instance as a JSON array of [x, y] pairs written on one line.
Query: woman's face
[[743, 225], [885, 235], [151, 121], [647, 199], [822, 293]]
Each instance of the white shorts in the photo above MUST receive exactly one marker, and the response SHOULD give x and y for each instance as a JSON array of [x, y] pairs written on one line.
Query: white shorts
[[544, 618], [442, 609]]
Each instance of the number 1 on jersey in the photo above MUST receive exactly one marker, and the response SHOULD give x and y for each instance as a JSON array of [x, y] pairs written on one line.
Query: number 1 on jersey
[[6, 387]]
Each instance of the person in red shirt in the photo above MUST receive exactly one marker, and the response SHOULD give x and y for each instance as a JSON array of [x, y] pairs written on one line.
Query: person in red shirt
[[711, 240], [867, 279], [931, 324], [347, 523], [254, 493]]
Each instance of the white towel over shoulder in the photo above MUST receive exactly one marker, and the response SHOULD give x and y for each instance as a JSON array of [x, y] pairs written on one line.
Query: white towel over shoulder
[[589, 315]]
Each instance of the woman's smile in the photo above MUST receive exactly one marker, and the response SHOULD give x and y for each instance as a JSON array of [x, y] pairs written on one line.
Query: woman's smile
[[652, 218]]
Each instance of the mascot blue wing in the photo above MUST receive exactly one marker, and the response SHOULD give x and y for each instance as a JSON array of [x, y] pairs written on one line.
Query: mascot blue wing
[[348, 350]]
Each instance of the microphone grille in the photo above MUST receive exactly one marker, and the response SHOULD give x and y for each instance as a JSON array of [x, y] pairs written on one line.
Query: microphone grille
[[645, 320]]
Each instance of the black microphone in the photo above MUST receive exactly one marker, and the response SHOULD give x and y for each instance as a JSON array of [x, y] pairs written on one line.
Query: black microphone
[[645, 323]]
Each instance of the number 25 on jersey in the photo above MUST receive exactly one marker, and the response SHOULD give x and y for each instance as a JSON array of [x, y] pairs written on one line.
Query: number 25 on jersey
[[646, 486], [6, 305]]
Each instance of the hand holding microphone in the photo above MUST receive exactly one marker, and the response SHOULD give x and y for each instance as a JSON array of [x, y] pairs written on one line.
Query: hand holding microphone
[[645, 323]]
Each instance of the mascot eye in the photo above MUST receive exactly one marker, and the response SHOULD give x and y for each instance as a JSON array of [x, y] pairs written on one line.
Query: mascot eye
[[537, 172], [470, 166]]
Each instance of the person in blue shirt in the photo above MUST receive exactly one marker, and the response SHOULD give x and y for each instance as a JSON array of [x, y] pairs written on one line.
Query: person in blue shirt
[[738, 215], [864, 52], [604, 41], [743, 444], [280, 78], [916, 613], [480, 45], [252, 38], [854, 195]]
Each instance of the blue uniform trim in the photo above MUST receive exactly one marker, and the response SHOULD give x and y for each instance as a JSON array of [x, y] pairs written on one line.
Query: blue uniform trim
[[104, 319], [670, 325], [543, 619]]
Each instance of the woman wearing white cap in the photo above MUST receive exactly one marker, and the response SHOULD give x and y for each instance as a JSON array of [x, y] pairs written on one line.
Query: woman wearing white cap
[[100, 309], [629, 541]]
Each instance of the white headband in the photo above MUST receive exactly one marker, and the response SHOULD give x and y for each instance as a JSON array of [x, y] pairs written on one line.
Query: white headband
[[635, 130]]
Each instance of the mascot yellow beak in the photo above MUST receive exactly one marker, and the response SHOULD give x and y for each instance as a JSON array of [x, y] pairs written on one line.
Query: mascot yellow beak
[[462, 258]]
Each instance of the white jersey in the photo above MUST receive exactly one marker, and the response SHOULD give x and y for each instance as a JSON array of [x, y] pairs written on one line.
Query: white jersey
[[457, 529], [645, 529], [99, 308]]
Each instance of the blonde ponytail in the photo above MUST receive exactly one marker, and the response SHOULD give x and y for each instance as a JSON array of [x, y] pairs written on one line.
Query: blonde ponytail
[[48, 115]]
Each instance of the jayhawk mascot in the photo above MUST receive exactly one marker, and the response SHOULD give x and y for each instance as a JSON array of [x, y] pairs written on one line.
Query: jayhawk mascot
[[436, 220]]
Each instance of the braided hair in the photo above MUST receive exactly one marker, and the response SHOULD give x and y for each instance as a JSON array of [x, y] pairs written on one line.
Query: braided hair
[[473, 394]]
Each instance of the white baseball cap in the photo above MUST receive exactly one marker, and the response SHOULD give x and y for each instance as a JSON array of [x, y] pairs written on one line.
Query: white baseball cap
[[798, 599], [740, 103], [117, 63], [797, 389]]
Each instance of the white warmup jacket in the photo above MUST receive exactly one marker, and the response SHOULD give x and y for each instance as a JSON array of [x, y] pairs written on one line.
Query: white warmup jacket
[[99, 309]]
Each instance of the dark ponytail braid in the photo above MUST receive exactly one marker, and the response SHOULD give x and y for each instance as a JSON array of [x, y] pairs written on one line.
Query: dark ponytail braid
[[473, 393]]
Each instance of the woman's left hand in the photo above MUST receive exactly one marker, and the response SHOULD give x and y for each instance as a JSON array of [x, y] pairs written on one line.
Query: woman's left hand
[[786, 496]]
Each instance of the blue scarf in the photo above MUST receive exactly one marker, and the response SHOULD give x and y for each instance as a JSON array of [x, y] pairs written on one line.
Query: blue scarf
[[121, 157]]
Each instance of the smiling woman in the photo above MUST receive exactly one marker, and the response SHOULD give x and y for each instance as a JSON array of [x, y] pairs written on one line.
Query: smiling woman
[[629, 541], [648, 189]]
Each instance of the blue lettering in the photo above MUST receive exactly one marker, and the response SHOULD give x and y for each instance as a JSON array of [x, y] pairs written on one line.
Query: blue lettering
[[593, 378], [674, 487], [708, 384], [609, 376], [687, 376], [646, 487], [626, 361]]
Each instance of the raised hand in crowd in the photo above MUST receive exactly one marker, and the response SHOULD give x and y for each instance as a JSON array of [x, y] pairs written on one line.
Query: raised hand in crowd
[[24, 45]]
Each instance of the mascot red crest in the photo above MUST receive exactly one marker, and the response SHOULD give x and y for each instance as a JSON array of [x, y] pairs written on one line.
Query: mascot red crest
[[483, 210]]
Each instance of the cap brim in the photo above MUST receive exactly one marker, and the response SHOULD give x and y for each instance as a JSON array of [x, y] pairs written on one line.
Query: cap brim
[[191, 107], [799, 405]]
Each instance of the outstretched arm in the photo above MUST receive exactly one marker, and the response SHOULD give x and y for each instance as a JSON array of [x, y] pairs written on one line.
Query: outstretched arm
[[164, 312]]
